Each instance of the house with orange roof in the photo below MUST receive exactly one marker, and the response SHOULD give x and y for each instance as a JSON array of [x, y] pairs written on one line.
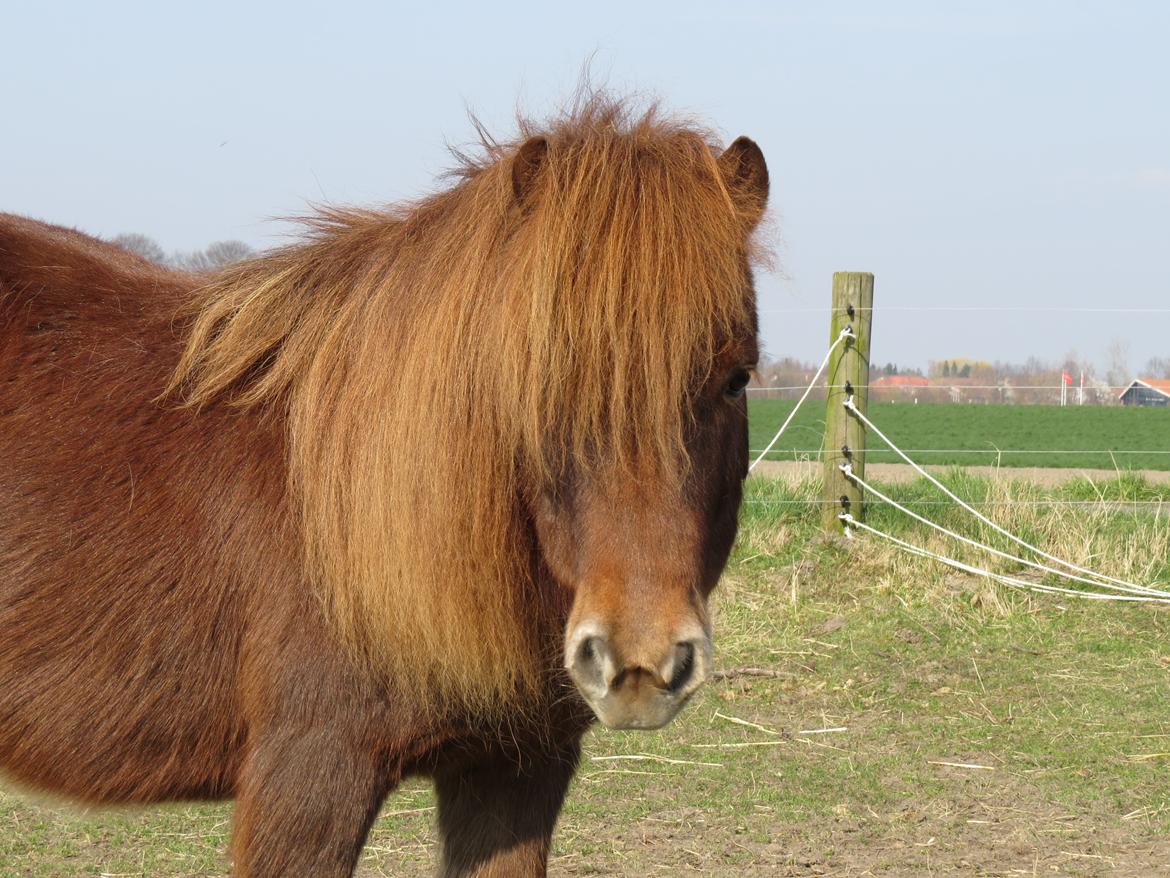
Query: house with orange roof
[[1147, 391], [901, 381]]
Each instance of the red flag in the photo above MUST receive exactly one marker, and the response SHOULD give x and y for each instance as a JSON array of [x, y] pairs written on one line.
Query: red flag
[[1066, 377]]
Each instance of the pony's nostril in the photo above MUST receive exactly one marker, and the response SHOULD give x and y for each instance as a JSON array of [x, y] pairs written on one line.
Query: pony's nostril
[[590, 664], [587, 653], [590, 659], [684, 666]]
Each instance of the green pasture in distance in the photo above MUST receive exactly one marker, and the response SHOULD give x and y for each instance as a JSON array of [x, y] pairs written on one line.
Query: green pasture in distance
[[988, 434]]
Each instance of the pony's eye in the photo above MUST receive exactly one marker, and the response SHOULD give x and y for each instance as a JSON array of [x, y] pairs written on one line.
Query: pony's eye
[[737, 383]]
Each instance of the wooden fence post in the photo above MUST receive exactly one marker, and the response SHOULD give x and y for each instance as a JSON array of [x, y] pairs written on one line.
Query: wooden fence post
[[848, 370]]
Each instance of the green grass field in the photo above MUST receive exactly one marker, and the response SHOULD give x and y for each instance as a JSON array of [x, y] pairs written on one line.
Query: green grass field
[[878, 716], [988, 434]]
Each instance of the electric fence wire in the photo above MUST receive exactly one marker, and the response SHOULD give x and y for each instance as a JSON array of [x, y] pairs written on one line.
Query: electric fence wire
[[1129, 591], [846, 333], [847, 469]]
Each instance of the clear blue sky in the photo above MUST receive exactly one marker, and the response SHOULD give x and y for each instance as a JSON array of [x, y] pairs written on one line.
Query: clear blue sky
[[967, 153]]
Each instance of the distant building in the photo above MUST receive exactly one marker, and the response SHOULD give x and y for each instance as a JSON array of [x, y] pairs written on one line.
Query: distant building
[[900, 381], [895, 388], [1147, 391]]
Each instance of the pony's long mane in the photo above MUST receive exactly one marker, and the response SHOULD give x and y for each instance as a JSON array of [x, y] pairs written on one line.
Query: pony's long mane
[[437, 360]]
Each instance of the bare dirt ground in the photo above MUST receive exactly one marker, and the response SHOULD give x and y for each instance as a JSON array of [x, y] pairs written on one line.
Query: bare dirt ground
[[1047, 477]]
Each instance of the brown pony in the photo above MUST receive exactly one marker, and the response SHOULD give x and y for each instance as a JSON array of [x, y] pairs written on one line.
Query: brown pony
[[419, 495]]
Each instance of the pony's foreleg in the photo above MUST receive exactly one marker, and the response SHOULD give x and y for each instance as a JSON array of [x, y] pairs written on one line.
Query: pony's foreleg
[[306, 801], [496, 814]]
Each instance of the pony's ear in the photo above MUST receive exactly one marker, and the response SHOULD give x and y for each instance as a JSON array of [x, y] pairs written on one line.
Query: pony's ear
[[526, 165], [746, 174]]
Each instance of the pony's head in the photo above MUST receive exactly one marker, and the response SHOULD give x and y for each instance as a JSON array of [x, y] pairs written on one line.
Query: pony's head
[[640, 371], [516, 403]]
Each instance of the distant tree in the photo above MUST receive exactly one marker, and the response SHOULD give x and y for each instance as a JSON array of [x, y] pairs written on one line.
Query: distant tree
[[218, 255], [223, 253], [965, 372], [141, 245], [196, 260], [1118, 375], [1157, 367], [946, 368], [215, 257]]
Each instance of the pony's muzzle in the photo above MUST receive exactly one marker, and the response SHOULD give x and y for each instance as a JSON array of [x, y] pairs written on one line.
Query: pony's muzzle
[[643, 692]]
